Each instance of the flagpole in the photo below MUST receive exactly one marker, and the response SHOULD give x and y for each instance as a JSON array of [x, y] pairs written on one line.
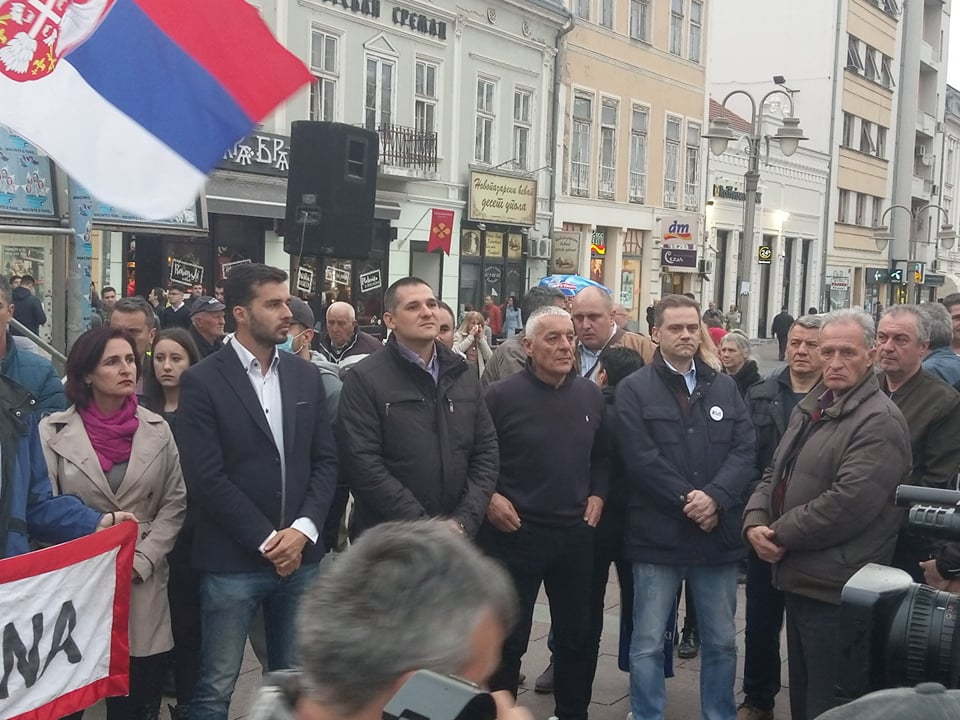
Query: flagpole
[[407, 236]]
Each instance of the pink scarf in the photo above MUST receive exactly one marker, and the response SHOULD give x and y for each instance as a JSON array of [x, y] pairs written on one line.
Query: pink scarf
[[111, 435]]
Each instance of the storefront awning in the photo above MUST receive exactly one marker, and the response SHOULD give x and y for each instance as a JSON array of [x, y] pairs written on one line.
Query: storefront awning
[[245, 206]]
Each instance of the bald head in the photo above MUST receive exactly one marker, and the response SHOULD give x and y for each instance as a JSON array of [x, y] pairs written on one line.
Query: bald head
[[593, 317], [341, 323]]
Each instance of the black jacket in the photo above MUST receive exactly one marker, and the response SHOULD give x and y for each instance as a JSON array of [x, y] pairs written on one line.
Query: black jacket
[[668, 452], [232, 466], [781, 324], [28, 309], [747, 377], [411, 448], [203, 347], [766, 403], [361, 344], [175, 318]]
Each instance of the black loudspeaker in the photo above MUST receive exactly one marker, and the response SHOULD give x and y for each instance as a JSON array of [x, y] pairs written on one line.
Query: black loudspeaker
[[331, 190]]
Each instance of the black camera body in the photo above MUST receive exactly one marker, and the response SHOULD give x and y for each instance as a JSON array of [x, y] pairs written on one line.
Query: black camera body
[[907, 632]]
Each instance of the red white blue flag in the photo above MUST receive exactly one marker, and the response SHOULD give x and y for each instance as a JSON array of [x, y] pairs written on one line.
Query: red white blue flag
[[139, 99]]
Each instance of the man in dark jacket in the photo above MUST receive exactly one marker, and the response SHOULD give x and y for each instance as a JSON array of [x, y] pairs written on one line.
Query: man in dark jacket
[[825, 507], [931, 409], [27, 308], [941, 360], [177, 312], [548, 500], [688, 446], [780, 328], [414, 434], [207, 323], [771, 403], [343, 338]]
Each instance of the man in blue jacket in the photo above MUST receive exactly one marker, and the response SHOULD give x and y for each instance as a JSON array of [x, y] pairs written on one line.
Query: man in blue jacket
[[688, 447], [32, 371]]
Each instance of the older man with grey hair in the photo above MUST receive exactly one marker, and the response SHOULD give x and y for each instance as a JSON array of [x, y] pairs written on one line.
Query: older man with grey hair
[[343, 338], [439, 605], [941, 360], [825, 506]]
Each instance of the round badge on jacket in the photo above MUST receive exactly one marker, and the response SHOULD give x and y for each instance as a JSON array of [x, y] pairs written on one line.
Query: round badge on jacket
[[716, 413]]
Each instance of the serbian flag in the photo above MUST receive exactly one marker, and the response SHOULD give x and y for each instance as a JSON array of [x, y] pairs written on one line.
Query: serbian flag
[[139, 99], [64, 612], [441, 230]]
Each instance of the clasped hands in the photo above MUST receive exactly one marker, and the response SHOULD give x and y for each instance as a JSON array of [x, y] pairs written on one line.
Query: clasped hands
[[285, 550], [702, 509]]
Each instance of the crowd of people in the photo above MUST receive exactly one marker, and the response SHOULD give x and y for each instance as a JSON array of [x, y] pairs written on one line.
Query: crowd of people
[[571, 446]]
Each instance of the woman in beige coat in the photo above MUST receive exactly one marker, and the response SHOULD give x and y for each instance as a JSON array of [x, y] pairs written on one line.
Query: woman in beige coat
[[116, 456]]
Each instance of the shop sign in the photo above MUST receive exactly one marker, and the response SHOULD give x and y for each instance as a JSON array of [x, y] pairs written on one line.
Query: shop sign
[[935, 280], [492, 275], [764, 254], [502, 199], [896, 276], [679, 258], [104, 213], [598, 244], [370, 281], [26, 186], [514, 246], [227, 267], [371, 8], [729, 192], [304, 279], [184, 273], [564, 253], [878, 276], [341, 277], [420, 23], [328, 273], [260, 152], [493, 244], [678, 230], [915, 270]]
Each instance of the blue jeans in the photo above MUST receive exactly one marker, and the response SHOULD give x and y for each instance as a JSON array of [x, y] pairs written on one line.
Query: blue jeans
[[714, 590], [229, 602]]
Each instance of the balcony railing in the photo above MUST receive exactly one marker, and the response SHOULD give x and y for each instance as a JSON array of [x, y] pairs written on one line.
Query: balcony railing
[[409, 148]]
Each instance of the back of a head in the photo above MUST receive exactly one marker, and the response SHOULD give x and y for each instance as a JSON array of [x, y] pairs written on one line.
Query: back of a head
[[619, 362], [950, 300], [939, 325], [536, 298], [404, 597]]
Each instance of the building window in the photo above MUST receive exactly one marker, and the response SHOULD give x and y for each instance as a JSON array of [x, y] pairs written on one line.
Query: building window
[[671, 163], [866, 138], [950, 166], [881, 142], [608, 148], [886, 74], [872, 70], [848, 123], [640, 20], [483, 146], [853, 55], [861, 209], [676, 27], [606, 13], [691, 187], [521, 128], [324, 66], [877, 212], [843, 205], [696, 29], [580, 155], [425, 103], [583, 9], [638, 154], [378, 100]]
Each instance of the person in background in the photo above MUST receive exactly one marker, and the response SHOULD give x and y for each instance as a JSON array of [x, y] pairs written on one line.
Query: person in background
[[135, 316], [596, 330], [780, 328], [470, 340], [735, 357], [31, 370], [509, 357], [117, 456], [15, 280], [108, 298], [733, 318], [621, 316], [27, 308], [714, 327], [512, 323], [493, 313], [207, 316], [446, 325], [158, 300], [713, 313], [176, 313], [196, 291], [650, 318], [344, 339], [941, 360], [951, 304], [218, 290], [173, 352]]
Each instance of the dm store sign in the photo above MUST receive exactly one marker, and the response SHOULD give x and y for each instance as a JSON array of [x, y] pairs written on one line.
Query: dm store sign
[[25, 182]]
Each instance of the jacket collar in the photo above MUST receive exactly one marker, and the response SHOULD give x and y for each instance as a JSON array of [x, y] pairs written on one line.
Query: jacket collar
[[846, 403], [532, 376], [904, 390], [448, 361], [705, 373]]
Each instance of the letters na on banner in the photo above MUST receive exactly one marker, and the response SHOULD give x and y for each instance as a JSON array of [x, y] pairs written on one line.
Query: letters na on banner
[[64, 612]]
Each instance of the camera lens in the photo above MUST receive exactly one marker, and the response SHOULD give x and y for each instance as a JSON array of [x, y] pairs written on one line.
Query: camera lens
[[922, 645]]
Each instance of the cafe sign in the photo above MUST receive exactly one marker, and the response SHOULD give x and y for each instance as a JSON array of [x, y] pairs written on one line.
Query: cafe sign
[[184, 273], [679, 258], [260, 152], [502, 199], [564, 253]]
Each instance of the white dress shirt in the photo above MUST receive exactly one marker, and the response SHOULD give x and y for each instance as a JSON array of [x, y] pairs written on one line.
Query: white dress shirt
[[267, 388], [689, 377]]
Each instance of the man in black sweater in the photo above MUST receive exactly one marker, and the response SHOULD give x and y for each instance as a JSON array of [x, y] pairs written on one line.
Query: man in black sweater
[[548, 500]]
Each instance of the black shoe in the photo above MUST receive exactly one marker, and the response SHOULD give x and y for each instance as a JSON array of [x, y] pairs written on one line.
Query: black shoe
[[689, 644], [544, 683]]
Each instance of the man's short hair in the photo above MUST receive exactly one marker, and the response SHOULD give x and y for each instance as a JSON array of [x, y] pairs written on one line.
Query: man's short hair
[[619, 362], [27, 280], [241, 286], [856, 317], [808, 322], [453, 315], [15, 277], [390, 296], [533, 324], [404, 597], [136, 304], [950, 300], [923, 326], [939, 325], [669, 302], [536, 298], [108, 289]]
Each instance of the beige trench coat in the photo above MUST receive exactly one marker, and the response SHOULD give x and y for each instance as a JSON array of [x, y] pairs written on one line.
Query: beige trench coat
[[152, 489]]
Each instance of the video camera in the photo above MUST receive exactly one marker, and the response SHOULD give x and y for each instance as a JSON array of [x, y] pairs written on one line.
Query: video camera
[[906, 632]]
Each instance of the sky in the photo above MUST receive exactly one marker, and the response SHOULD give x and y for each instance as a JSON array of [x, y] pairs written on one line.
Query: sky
[[953, 65]]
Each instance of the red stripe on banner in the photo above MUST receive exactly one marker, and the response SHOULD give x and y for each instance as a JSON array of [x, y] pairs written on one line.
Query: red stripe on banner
[[79, 699], [119, 639], [57, 557], [231, 42]]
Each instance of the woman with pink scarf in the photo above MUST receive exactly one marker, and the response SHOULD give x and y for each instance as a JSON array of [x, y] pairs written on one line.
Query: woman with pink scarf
[[116, 457]]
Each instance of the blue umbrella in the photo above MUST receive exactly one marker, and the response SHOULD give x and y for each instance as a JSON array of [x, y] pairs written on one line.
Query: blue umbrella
[[570, 285]]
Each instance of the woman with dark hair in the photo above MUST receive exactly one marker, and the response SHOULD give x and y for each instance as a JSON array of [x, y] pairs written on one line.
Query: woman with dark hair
[[512, 324], [173, 351], [117, 456]]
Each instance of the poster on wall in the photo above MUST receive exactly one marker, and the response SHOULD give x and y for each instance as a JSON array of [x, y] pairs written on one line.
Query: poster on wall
[[305, 280], [370, 281], [24, 260], [493, 244], [626, 288], [564, 253], [470, 243], [25, 177], [514, 246], [185, 273]]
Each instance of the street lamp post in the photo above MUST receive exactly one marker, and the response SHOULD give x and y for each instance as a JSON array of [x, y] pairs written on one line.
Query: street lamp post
[[882, 236], [720, 135]]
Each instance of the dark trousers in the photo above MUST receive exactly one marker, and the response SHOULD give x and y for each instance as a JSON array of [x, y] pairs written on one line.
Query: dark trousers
[[761, 667], [146, 688], [183, 592], [813, 630], [608, 548], [561, 558], [782, 341]]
